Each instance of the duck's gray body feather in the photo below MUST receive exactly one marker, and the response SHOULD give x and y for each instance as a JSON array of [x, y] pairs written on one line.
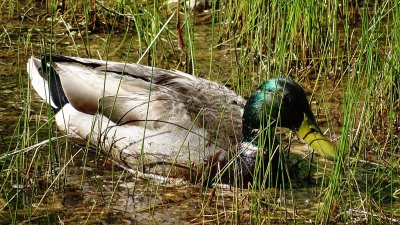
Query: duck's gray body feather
[[144, 117]]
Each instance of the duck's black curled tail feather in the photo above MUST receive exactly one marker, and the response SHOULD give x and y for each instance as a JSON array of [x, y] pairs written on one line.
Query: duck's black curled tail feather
[[47, 82], [57, 94]]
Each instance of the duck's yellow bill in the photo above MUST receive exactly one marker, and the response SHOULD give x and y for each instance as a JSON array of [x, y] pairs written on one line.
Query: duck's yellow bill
[[312, 135]]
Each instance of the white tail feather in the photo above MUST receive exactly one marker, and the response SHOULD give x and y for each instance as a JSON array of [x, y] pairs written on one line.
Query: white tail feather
[[38, 83]]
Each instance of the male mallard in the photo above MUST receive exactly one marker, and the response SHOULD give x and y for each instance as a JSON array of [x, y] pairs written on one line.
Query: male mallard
[[171, 123]]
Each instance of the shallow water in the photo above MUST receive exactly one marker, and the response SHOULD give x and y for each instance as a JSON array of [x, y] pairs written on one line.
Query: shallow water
[[92, 190]]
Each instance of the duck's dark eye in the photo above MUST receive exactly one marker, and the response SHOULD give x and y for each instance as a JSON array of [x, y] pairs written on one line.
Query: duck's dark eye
[[287, 99], [313, 130]]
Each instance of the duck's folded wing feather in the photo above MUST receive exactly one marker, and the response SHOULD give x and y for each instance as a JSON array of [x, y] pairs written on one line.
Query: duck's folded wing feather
[[131, 93]]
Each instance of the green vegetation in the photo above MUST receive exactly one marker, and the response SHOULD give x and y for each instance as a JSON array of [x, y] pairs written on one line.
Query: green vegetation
[[345, 54]]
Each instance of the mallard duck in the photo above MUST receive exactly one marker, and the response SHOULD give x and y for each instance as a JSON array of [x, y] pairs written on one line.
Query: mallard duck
[[168, 122]]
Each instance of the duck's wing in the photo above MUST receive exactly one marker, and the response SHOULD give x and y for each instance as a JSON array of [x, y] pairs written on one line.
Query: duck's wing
[[136, 95]]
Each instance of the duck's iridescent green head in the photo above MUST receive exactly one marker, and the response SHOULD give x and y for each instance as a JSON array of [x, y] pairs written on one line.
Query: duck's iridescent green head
[[282, 102]]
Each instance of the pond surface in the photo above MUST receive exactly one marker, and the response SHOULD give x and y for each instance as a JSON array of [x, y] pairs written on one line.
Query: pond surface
[[91, 189]]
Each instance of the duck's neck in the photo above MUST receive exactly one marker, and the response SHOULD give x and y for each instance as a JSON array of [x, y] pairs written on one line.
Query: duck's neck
[[257, 126], [262, 136], [258, 137]]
